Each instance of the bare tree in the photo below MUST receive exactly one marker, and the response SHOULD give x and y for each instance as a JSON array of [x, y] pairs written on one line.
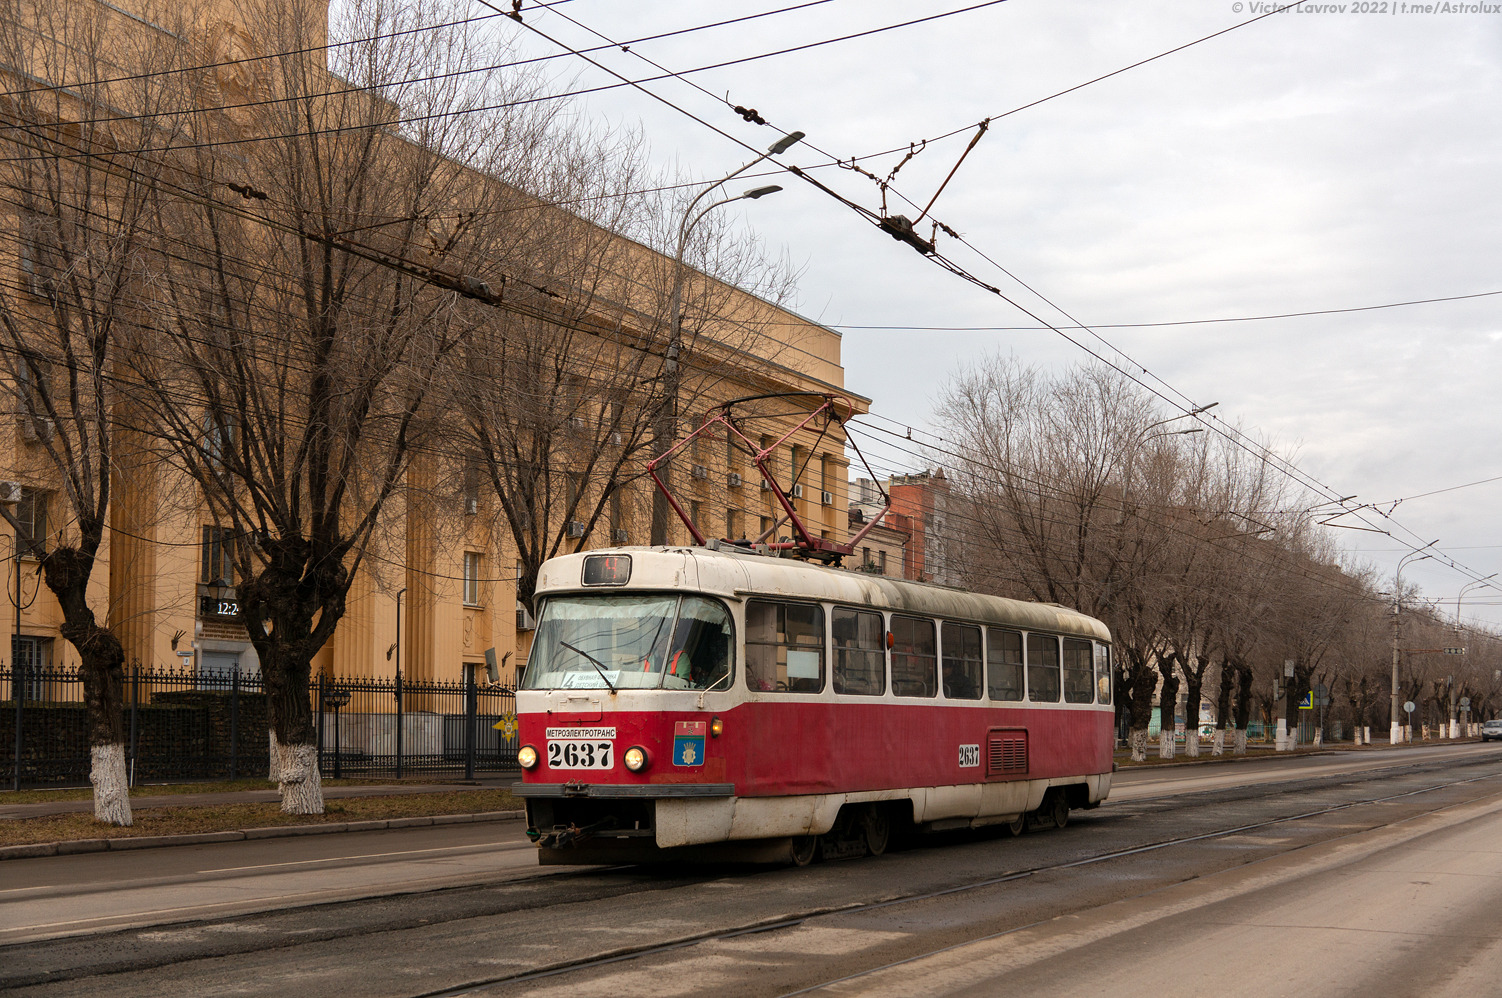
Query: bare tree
[[85, 152], [313, 295], [565, 402]]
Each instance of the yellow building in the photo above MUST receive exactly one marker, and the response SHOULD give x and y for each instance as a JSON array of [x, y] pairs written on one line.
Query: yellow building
[[436, 592]]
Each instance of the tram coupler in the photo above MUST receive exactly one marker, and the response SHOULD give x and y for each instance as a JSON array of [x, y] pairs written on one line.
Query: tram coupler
[[564, 835]]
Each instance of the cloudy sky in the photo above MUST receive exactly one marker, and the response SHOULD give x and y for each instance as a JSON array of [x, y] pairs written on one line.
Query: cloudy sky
[[1317, 159]]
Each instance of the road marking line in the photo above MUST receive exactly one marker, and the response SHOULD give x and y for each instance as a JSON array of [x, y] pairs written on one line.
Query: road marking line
[[369, 855]]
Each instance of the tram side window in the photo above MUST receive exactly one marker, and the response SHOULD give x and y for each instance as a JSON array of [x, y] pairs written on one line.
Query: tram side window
[[962, 663], [1004, 660], [860, 661], [1102, 673], [914, 659], [700, 653], [1079, 672], [1043, 668], [784, 647]]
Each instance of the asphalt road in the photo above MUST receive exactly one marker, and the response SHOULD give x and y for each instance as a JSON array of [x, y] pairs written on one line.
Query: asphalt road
[[1340, 867]]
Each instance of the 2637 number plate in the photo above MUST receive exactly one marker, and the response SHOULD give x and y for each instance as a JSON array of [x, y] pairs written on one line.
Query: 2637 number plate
[[580, 754]]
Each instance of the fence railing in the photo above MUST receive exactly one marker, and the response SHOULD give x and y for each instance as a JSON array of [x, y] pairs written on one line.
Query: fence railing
[[192, 724]]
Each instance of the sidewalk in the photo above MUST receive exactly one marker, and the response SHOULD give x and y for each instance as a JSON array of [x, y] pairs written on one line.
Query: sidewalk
[[269, 795]]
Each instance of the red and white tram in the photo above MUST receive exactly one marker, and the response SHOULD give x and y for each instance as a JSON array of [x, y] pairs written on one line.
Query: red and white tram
[[713, 703]]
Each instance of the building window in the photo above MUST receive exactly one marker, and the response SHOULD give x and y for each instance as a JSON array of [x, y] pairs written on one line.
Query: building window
[[33, 656], [732, 524], [471, 578], [31, 520], [217, 557]]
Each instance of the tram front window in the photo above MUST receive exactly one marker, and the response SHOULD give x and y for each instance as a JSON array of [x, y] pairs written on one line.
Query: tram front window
[[630, 642]]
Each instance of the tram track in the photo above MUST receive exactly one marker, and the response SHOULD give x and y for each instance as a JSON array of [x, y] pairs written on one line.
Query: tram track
[[785, 921]]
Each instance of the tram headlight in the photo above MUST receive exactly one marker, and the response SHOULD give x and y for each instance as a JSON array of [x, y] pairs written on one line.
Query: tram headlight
[[715, 727], [636, 758], [526, 757]]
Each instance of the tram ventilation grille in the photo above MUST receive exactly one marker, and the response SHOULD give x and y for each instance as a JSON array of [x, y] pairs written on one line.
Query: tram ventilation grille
[[1007, 753]]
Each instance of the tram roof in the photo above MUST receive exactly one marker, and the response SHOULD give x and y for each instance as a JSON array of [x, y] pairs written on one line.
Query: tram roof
[[739, 574]]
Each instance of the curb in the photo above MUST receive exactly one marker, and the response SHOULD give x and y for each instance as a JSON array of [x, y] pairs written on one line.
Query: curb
[[274, 832]]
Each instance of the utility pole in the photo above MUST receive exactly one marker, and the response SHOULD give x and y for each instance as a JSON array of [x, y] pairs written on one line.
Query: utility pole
[[1397, 608], [666, 428]]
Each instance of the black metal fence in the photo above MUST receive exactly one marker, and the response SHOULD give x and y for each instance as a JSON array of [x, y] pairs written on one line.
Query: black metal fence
[[187, 724]]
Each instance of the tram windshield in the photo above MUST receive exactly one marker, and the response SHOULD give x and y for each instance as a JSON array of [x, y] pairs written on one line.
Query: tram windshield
[[630, 642]]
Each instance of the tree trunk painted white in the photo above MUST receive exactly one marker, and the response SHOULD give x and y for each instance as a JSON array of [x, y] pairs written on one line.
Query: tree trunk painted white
[[1356, 736], [1454, 730], [111, 786], [1367, 734], [301, 785], [1137, 739], [1192, 744], [1165, 745], [1240, 741], [1319, 737], [1218, 747], [274, 772]]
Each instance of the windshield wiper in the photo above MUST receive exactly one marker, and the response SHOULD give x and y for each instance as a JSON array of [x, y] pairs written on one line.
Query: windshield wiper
[[592, 661]]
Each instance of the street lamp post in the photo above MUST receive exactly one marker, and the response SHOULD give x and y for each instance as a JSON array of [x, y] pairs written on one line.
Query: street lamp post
[[1454, 731], [667, 422], [1142, 437], [1395, 732]]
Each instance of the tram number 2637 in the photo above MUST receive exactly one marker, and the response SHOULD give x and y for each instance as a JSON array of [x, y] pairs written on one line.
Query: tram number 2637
[[579, 755]]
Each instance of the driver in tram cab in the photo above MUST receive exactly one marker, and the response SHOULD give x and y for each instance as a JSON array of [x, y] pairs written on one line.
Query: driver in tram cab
[[957, 683]]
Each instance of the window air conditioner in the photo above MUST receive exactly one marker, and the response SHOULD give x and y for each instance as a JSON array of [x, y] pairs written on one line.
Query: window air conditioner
[[766, 486], [621, 537], [797, 492], [700, 471], [733, 480], [615, 438], [827, 498], [10, 493], [524, 621], [35, 430], [575, 528]]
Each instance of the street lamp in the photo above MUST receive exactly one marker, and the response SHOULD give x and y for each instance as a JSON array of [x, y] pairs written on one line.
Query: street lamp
[[1397, 611], [1467, 588], [667, 421]]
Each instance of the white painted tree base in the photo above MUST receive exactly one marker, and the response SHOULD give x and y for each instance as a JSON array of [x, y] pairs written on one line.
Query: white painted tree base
[[1319, 738], [111, 785], [301, 785], [1165, 745], [1240, 741], [274, 771], [1218, 746], [1137, 739], [1192, 744]]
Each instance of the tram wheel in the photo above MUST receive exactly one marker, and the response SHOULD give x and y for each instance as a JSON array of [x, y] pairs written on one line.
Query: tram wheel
[[805, 848], [1059, 812], [877, 828], [1017, 825]]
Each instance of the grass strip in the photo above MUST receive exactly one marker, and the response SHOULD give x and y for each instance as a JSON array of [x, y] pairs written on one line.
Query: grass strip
[[229, 817], [161, 789]]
